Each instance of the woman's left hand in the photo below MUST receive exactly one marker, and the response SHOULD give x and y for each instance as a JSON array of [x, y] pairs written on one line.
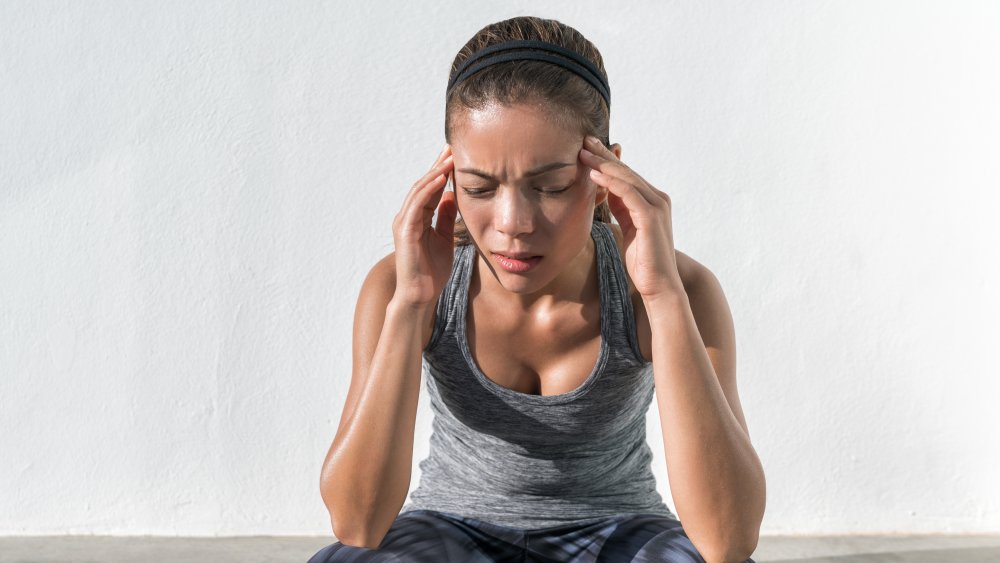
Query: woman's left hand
[[644, 215]]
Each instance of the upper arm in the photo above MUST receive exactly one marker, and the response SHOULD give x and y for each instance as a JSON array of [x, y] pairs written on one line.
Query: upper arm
[[712, 315], [369, 317], [715, 324]]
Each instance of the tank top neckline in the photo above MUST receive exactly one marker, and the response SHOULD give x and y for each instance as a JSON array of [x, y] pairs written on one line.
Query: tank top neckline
[[602, 356]]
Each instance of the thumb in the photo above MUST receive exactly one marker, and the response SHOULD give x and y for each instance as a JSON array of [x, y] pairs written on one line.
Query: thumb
[[446, 212]]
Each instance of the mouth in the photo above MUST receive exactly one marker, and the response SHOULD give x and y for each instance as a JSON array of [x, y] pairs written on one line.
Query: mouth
[[517, 255], [517, 263]]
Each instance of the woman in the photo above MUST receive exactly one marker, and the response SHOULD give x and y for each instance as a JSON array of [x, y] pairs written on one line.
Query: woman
[[545, 330]]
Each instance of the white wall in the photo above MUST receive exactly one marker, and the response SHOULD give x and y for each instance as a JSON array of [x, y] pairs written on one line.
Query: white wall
[[191, 194]]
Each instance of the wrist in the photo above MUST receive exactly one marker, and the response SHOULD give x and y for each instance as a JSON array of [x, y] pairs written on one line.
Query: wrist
[[666, 303], [410, 309]]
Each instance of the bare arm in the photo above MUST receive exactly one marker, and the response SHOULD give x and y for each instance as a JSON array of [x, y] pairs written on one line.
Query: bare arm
[[366, 475], [716, 478]]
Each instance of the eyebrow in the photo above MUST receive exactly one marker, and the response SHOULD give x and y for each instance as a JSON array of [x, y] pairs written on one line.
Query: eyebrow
[[533, 172]]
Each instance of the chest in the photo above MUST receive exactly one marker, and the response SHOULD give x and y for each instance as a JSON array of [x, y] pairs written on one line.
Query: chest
[[547, 354], [554, 354]]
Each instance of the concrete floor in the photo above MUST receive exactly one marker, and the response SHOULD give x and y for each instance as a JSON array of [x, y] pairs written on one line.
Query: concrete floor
[[276, 549]]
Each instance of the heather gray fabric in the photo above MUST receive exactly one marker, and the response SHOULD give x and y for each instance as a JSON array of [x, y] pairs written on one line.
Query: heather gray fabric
[[532, 461], [426, 536]]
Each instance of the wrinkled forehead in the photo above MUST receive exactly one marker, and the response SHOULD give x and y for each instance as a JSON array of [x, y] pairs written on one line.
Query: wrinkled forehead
[[496, 114], [509, 140]]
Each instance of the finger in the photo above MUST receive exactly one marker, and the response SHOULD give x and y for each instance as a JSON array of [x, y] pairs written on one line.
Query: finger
[[432, 194], [629, 195], [595, 146], [442, 167], [444, 152], [603, 171], [435, 168], [446, 213], [620, 212], [652, 195], [618, 170], [423, 198], [433, 171], [429, 195], [414, 217]]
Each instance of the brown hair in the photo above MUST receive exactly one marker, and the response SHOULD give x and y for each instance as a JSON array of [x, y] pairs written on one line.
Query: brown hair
[[570, 99]]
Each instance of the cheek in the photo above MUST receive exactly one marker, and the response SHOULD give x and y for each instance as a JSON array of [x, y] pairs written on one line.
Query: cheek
[[474, 212]]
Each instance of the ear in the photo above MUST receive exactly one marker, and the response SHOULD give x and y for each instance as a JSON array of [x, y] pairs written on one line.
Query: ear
[[602, 192]]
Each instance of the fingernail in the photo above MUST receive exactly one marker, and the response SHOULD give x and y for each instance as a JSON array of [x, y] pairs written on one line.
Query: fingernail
[[586, 152], [593, 139]]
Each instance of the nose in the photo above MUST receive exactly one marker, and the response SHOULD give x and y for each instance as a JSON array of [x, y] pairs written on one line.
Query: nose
[[515, 213]]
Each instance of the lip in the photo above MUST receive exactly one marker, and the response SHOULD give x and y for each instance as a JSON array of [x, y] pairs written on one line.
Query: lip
[[516, 265], [517, 255]]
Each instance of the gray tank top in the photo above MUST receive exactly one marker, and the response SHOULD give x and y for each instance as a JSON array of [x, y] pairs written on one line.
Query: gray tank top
[[534, 461]]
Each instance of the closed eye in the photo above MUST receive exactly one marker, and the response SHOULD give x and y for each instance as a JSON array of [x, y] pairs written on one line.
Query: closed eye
[[480, 192]]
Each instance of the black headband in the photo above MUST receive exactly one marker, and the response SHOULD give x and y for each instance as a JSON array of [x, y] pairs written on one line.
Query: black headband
[[577, 63]]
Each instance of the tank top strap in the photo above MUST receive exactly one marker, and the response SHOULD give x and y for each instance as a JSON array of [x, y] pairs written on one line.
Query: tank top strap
[[615, 289], [447, 304], [539, 461]]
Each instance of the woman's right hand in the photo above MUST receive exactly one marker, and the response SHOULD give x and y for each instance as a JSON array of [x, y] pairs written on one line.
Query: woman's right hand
[[424, 253]]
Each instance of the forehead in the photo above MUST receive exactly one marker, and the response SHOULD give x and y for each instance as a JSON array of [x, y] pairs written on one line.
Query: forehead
[[508, 139]]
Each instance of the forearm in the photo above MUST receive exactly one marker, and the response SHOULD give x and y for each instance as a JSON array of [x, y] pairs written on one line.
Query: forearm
[[716, 478], [367, 475]]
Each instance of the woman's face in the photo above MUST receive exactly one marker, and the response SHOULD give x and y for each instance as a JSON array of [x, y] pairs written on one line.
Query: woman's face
[[521, 189]]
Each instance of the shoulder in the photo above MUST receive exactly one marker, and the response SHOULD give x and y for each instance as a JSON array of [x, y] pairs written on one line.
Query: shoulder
[[705, 296], [713, 318], [382, 275], [378, 289]]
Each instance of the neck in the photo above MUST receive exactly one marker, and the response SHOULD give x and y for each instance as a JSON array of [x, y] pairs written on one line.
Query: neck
[[575, 284]]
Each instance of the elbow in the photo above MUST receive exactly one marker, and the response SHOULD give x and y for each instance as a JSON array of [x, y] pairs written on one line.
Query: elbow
[[732, 551], [726, 540], [354, 532], [358, 538], [742, 552], [356, 528], [351, 530]]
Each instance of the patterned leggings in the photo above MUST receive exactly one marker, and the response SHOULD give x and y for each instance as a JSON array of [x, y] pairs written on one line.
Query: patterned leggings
[[431, 536]]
